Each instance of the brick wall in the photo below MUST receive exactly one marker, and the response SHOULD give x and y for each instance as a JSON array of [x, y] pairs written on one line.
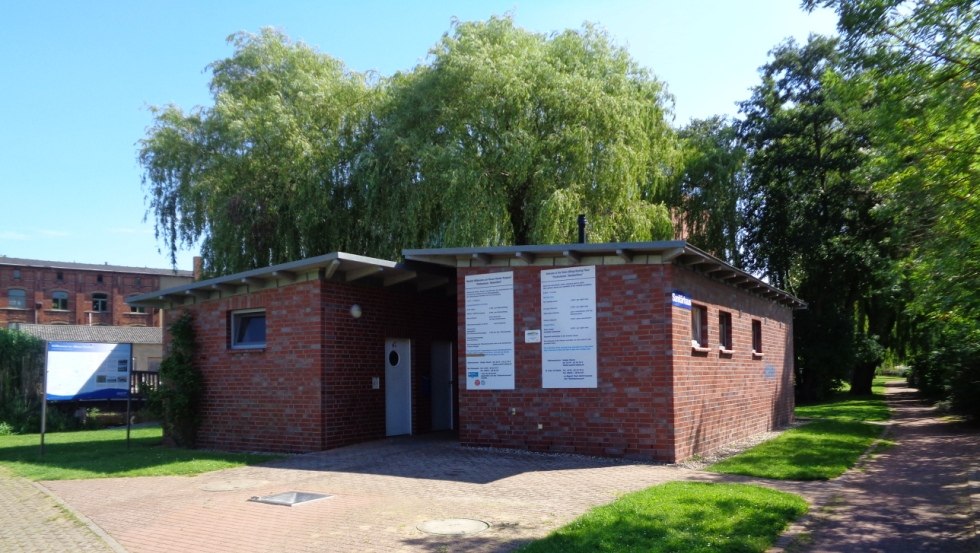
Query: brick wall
[[655, 398], [718, 397], [267, 399], [626, 415], [311, 387]]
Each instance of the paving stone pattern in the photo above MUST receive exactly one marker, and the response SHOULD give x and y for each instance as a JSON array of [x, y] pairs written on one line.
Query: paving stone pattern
[[919, 496], [33, 522]]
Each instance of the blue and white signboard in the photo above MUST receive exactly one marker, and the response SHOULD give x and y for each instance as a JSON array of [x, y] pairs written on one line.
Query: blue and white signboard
[[680, 299], [81, 370], [568, 328]]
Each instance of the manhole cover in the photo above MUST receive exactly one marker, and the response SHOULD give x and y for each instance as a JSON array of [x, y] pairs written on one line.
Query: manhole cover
[[453, 526], [289, 498]]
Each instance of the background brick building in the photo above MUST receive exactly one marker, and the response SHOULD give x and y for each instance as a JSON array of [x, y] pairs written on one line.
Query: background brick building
[[60, 293]]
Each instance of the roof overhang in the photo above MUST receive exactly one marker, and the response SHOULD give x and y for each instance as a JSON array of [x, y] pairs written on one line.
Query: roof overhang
[[676, 252], [336, 266]]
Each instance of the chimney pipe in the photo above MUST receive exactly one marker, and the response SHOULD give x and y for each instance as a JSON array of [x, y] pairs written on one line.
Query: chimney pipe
[[581, 228]]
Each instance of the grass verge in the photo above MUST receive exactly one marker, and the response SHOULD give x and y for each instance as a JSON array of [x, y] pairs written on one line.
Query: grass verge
[[683, 517], [103, 453], [822, 449]]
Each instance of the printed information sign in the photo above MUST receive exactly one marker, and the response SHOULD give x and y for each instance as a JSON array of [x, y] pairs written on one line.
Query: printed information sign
[[80, 370], [490, 331], [568, 328]]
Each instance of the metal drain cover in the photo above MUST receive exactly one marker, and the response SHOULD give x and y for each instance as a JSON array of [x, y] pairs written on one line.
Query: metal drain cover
[[289, 498], [453, 526]]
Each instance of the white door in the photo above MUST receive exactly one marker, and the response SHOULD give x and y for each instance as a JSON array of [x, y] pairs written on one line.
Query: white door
[[442, 385], [398, 386]]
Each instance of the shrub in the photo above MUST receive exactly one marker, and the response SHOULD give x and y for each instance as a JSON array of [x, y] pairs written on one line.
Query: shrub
[[178, 399]]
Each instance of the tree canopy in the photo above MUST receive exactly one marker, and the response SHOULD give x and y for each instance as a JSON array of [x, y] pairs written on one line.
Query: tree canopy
[[502, 137]]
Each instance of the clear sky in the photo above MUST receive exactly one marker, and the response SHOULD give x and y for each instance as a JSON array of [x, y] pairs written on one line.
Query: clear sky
[[76, 79]]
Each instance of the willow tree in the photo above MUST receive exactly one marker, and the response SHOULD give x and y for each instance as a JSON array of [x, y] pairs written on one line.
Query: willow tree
[[505, 136], [262, 175]]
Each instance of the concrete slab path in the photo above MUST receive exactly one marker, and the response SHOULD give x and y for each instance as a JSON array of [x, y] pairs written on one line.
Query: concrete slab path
[[916, 496]]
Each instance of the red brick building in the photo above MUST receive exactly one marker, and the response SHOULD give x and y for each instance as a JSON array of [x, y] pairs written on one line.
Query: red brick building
[[649, 350], [60, 293]]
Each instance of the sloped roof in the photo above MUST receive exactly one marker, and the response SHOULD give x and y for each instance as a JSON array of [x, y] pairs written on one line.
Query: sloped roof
[[95, 334], [677, 252], [336, 266], [106, 268]]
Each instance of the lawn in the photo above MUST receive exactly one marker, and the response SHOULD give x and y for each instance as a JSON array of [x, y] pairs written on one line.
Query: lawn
[[103, 453], [682, 517], [823, 449]]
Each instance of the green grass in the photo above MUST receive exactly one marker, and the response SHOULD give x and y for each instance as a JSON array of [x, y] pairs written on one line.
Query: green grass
[[103, 453], [822, 449], [681, 517]]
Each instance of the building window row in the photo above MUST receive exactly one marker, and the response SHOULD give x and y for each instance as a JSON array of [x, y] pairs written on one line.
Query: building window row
[[726, 344]]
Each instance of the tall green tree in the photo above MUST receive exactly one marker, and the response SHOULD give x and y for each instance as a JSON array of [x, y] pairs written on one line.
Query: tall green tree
[[920, 66], [263, 175], [501, 137], [809, 221], [711, 187], [506, 135]]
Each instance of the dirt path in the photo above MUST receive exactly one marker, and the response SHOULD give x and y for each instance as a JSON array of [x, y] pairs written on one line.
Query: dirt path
[[915, 496]]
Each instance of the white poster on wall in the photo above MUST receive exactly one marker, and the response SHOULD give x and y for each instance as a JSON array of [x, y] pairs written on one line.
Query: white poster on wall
[[568, 328], [490, 331], [81, 370]]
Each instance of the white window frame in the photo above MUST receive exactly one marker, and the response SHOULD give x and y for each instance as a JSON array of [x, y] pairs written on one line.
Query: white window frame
[[699, 327], [21, 298], [103, 302], [236, 317], [55, 297], [725, 339]]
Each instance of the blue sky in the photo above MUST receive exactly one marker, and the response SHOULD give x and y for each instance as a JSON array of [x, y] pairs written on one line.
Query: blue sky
[[78, 78]]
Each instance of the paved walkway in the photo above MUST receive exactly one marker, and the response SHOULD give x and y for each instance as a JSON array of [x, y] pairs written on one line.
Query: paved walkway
[[33, 521], [913, 497]]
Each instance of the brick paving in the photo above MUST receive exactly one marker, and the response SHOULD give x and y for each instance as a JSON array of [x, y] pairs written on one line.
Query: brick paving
[[31, 521], [916, 496]]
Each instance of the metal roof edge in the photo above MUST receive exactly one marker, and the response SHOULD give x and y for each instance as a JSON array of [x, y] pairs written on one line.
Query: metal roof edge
[[284, 268], [674, 251]]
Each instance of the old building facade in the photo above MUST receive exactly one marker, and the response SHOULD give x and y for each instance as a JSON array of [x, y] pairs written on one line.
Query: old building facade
[[60, 293]]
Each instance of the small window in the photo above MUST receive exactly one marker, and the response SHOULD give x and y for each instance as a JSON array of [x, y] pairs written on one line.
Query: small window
[[699, 326], [137, 309], [16, 274], [17, 298], [725, 330], [100, 302], [248, 329], [59, 301], [98, 279], [59, 276], [757, 337], [139, 281]]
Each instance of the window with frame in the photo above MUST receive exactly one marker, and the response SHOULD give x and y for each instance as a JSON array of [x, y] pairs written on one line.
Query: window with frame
[[757, 337], [699, 326], [100, 302], [59, 276], [136, 308], [16, 274], [725, 331], [248, 329], [59, 301], [17, 298]]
